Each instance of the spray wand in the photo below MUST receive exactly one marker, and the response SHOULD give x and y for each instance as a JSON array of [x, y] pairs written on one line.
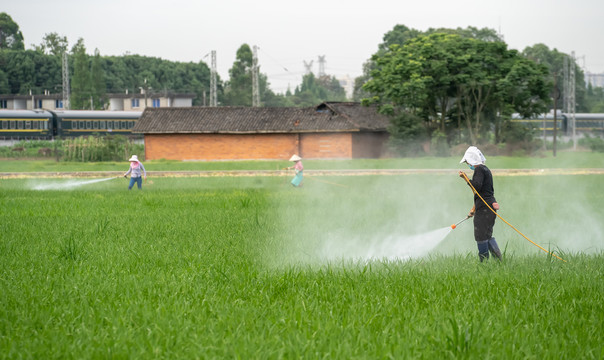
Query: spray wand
[[455, 225]]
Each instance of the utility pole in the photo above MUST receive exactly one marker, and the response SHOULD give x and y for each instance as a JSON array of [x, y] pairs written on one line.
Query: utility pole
[[145, 88], [322, 65], [255, 90], [65, 75], [572, 101], [565, 86], [213, 94], [556, 96]]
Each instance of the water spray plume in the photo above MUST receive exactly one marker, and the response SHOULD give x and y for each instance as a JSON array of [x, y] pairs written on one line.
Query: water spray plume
[[70, 184]]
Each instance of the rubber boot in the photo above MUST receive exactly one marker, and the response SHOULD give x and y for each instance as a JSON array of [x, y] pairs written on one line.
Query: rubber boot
[[483, 250], [494, 248]]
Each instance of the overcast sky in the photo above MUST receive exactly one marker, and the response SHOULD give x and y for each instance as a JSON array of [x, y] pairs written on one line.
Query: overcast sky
[[288, 33]]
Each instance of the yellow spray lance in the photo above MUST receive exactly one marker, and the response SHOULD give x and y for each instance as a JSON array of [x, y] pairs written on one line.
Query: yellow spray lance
[[499, 216]]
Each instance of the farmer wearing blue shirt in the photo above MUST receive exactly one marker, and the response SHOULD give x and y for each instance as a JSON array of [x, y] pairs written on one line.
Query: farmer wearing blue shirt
[[136, 170]]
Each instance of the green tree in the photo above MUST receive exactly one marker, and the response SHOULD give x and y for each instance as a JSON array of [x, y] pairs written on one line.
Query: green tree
[[97, 79], [314, 91], [401, 34], [440, 78], [80, 81], [4, 87], [28, 70], [239, 87], [554, 61], [53, 43], [10, 35], [595, 99]]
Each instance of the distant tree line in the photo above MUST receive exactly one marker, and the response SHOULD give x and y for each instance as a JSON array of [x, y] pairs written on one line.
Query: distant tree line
[[93, 76]]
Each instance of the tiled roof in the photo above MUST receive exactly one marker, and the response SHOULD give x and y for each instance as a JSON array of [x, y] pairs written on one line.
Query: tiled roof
[[327, 117]]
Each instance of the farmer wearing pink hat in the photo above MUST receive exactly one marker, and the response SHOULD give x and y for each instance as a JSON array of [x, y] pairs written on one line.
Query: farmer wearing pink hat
[[484, 217], [136, 170]]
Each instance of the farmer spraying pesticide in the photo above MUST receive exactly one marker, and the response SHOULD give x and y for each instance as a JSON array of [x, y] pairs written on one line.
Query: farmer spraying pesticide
[[484, 214], [298, 168], [136, 170]]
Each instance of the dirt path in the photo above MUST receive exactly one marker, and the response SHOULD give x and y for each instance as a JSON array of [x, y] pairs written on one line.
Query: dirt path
[[351, 172]]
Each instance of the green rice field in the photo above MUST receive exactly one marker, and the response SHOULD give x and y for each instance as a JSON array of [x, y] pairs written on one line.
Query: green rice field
[[252, 268]]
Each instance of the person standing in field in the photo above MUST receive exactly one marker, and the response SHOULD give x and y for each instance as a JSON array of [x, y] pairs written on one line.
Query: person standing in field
[[484, 217], [136, 170], [298, 168]]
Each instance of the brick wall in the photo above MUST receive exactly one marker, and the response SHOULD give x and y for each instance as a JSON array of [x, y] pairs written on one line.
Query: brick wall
[[220, 146], [326, 145], [249, 146]]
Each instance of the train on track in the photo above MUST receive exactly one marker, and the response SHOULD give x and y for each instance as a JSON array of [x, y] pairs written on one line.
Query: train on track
[[586, 123], [48, 124]]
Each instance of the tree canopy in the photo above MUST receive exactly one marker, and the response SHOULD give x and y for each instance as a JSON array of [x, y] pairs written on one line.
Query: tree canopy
[[10, 35], [440, 80]]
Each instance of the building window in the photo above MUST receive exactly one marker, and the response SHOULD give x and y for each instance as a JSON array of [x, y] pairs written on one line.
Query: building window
[[39, 104], [58, 104], [155, 103], [135, 103], [3, 104]]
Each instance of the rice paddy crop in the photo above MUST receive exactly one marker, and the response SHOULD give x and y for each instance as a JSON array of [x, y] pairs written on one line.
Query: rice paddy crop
[[232, 268]]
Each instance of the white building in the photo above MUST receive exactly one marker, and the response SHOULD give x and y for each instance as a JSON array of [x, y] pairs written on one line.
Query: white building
[[596, 80], [116, 102]]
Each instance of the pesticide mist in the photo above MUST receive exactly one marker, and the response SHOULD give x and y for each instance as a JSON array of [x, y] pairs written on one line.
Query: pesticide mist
[[392, 247], [409, 217], [64, 185], [373, 218]]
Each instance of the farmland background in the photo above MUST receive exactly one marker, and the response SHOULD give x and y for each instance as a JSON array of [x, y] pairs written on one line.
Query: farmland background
[[249, 267]]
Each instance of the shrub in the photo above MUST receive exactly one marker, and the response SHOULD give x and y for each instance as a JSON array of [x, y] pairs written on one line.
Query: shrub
[[596, 144]]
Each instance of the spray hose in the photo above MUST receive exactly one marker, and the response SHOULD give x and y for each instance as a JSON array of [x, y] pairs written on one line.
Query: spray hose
[[510, 225]]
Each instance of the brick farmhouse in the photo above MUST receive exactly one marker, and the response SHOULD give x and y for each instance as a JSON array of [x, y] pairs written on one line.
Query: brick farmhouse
[[331, 130]]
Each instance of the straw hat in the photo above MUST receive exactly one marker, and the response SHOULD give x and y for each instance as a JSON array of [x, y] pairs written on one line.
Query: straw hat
[[133, 158], [295, 158]]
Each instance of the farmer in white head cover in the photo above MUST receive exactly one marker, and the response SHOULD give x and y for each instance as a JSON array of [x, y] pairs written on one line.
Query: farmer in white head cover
[[484, 218], [136, 170], [298, 168]]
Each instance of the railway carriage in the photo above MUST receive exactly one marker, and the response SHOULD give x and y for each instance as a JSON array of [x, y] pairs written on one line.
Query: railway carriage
[[73, 123], [586, 123], [27, 125], [47, 124]]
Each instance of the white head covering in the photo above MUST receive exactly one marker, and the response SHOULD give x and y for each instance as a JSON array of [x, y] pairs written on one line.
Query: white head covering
[[295, 158], [473, 156], [133, 158]]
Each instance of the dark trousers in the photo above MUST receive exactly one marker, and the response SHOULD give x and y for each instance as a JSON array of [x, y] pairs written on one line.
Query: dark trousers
[[484, 220]]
